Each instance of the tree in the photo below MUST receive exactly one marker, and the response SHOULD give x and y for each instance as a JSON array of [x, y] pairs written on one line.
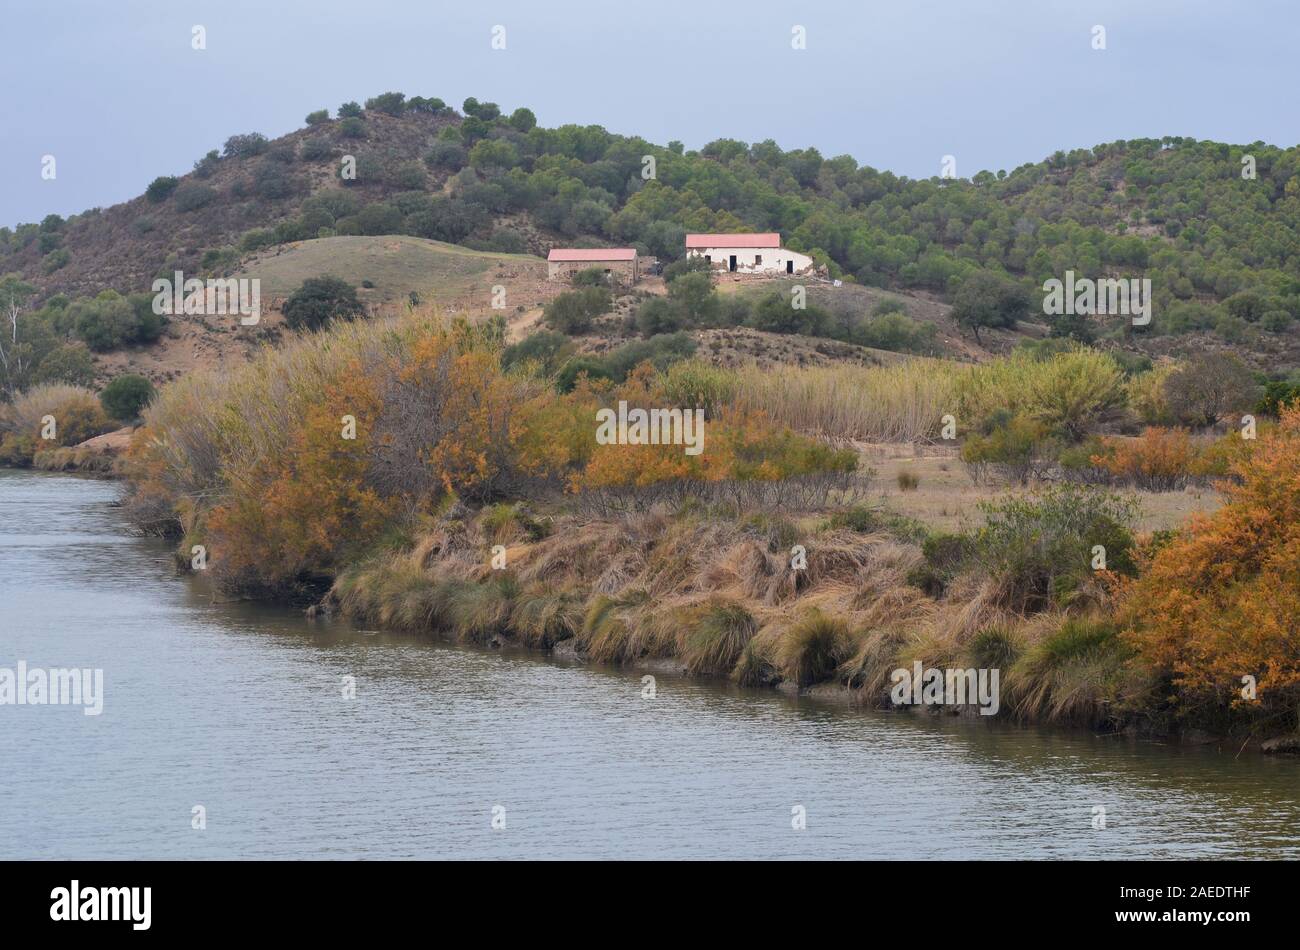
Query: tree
[[1208, 386], [987, 300], [349, 110], [695, 295], [522, 120], [243, 146], [13, 296], [320, 300], [390, 103], [126, 396], [317, 117], [659, 315], [69, 363]]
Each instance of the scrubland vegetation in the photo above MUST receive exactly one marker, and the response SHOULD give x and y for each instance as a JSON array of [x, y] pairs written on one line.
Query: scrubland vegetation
[[422, 475], [46, 418]]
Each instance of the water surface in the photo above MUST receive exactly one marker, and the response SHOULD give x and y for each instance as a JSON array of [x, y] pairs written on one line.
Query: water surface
[[239, 708]]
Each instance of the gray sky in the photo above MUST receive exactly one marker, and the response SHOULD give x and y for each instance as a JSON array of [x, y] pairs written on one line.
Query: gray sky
[[113, 89]]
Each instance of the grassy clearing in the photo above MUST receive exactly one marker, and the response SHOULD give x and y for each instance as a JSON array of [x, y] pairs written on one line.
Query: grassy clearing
[[395, 264], [901, 403]]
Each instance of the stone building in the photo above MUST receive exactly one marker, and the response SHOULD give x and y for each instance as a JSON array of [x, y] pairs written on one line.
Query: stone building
[[619, 263]]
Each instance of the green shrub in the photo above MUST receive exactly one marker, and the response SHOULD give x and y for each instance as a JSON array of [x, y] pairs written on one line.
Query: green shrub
[[55, 260], [313, 150], [450, 155], [659, 315], [110, 320], [859, 518], [590, 366], [390, 103], [69, 363], [946, 556], [659, 351], [321, 300], [1012, 446], [889, 305], [590, 277], [206, 165], [245, 146], [547, 349], [574, 311], [191, 196], [898, 333], [687, 265], [1275, 321], [125, 397], [1278, 393], [271, 182], [161, 187], [318, 117], [1038, 550]]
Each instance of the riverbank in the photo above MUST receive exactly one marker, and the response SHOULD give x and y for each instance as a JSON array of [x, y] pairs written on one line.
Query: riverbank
[[434, 485], [817, 605], [238, 706], [100, 456]]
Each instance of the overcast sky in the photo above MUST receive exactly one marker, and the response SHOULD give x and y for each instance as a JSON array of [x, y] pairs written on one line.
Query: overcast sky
[[113, 89]]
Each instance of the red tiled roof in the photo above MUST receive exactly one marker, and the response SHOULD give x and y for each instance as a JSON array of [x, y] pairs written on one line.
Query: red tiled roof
[[733, 240], [592, 254]]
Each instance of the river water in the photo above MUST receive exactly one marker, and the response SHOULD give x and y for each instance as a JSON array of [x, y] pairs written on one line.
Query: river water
[[240, 709]]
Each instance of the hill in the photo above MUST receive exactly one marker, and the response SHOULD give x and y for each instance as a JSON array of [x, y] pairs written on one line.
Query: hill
[[1215, 227]]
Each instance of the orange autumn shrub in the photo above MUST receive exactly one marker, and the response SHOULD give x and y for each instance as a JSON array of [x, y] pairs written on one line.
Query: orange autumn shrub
[[295, 514], [1221, 601], [254, 465], [1162, 459], [1159, 458]]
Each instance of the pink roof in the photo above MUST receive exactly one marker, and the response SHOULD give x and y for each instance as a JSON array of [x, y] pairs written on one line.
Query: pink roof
[[592, 254], [733, 240]]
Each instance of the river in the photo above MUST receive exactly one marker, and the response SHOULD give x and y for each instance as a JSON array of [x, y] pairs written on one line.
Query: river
[[239, 709]]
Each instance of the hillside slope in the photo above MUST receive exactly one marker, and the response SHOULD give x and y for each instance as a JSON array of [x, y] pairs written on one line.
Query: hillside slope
[[1221, 248]]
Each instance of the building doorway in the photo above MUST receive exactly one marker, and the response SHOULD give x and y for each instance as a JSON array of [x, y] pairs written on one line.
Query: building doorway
[[789, 267], [732, 266]]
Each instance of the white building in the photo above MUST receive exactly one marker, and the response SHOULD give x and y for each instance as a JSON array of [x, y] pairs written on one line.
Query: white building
[[747, 253]]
